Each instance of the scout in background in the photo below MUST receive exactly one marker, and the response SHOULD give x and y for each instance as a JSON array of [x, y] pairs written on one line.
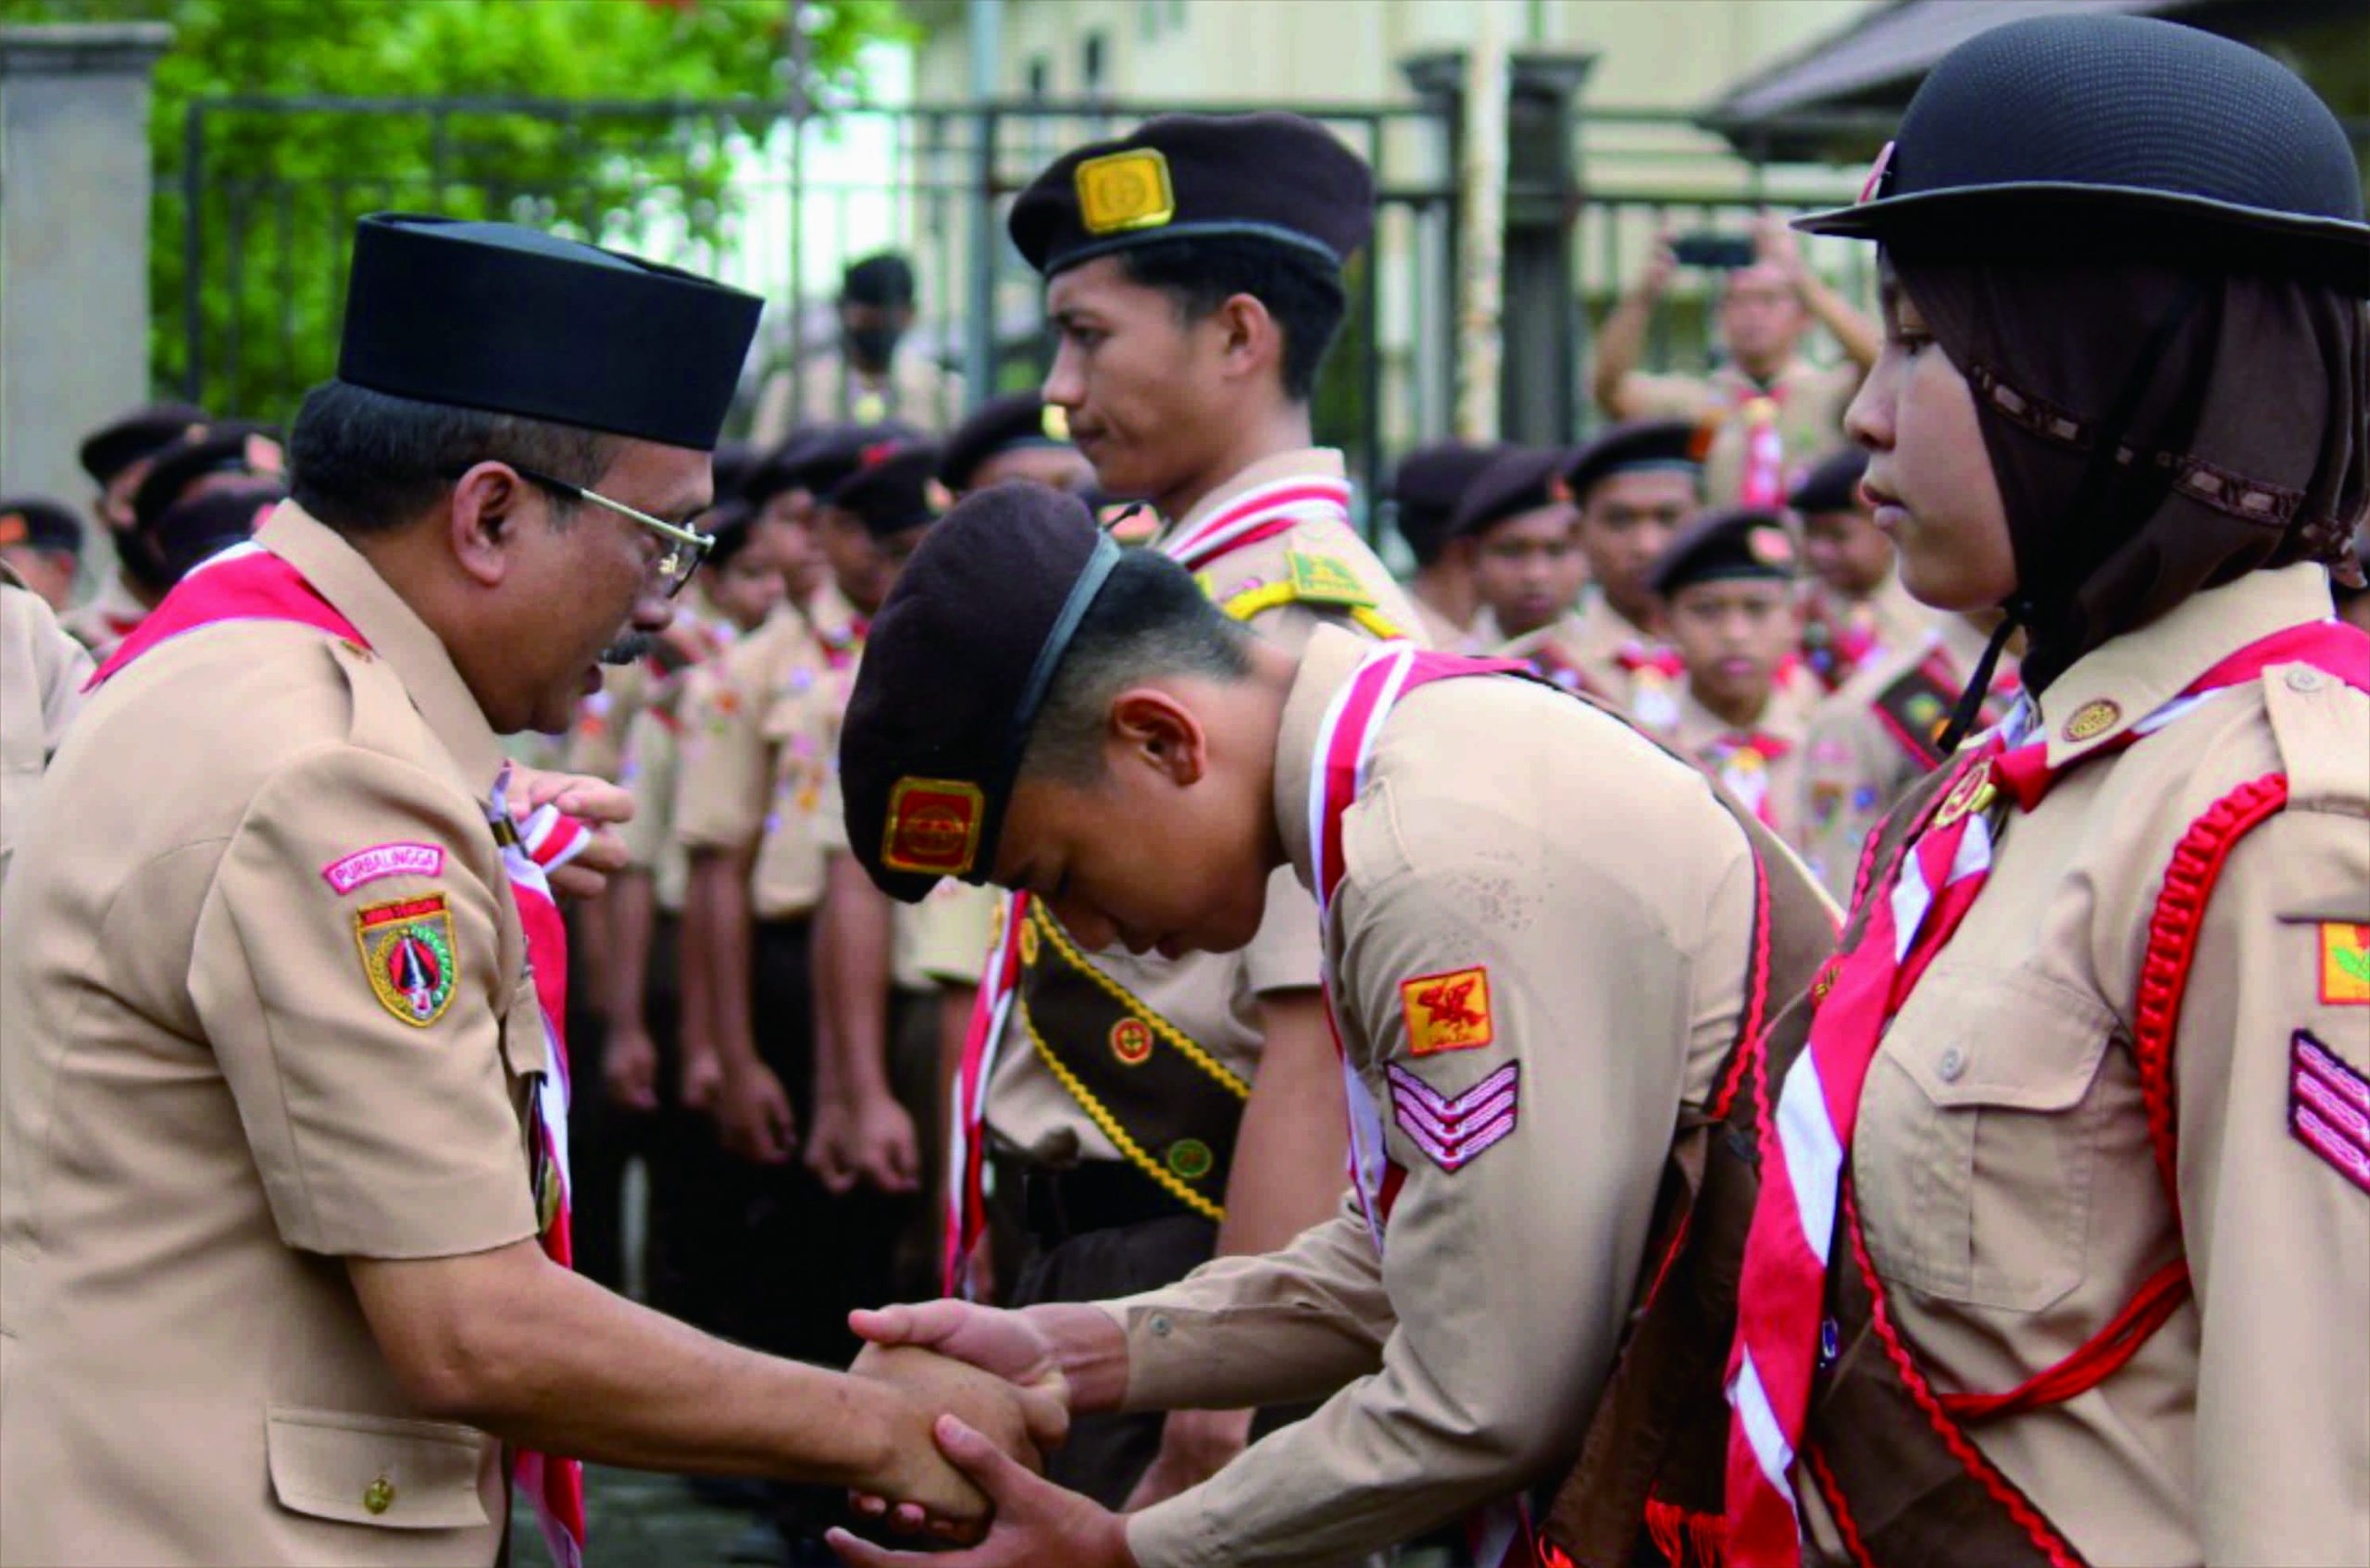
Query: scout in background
[[117, 457], [1728, 591], [1425, 490], [1854, 609], [42, 542], [1513, 524]]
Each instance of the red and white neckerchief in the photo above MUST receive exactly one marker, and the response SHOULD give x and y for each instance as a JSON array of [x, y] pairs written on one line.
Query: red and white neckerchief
[[1764, 448], [248, 582], [1740, 762], [1257, 514], [1498, 1534], [1807, 1143], [967, 1204]]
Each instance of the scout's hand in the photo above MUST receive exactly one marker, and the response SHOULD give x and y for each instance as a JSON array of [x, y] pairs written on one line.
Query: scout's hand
[[597, 804], [1022, 1421], [702, 1075], [991, 1339], [1036, 1522], [1194, 1445], [753, 1114], [1775, 246], [868, 1139], [629, 1068]]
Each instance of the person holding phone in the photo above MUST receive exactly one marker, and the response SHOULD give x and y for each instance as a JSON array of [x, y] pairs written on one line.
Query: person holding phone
[[1770, 410]]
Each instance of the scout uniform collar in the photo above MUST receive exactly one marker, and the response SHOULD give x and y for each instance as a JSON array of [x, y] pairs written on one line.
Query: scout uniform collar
[[2105, 692], [393, 632], [1301, 463], [1331, 656]]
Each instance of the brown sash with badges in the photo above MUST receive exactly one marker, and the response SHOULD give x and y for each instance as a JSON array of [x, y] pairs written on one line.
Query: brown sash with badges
[[1171, 1108]]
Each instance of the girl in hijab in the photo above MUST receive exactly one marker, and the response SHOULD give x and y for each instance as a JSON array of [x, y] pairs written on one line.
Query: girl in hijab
[[2061, 1246]]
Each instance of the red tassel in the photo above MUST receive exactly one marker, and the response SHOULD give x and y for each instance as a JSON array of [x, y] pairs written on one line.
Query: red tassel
[[1683, 1538]]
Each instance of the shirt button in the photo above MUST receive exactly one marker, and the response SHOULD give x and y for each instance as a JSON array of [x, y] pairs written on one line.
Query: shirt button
[[1952, 1066], [1161, 1326], [378, 1496], [2303, 678]]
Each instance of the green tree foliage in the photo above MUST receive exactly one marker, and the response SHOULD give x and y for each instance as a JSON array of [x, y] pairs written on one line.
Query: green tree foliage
[[596, 141]]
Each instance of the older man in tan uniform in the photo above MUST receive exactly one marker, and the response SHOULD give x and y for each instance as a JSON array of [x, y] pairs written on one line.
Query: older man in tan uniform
[[41, 671], [283, 1185], [1526, 1016]]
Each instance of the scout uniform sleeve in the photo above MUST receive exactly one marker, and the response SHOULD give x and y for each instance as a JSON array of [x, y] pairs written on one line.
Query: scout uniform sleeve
[[348, 970], [2272, 1065], [1669, 396], [1530, 1111], [648, 763], [1315, 1308], [722, 779], [63, 665]]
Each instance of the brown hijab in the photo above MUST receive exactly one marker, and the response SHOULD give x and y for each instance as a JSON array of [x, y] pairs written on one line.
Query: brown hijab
[[2154, 431]]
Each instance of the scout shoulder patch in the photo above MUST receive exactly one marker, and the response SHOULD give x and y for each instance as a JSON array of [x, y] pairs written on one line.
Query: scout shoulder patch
[[1447, 1012], [1326, 580], [933, 826], [2328, 1107], [1454, 1130], [350, 872], [408, 956], [2345, 964], [1119, 192]]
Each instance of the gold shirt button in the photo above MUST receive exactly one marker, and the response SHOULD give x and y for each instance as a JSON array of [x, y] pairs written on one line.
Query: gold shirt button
[[378, 1495]]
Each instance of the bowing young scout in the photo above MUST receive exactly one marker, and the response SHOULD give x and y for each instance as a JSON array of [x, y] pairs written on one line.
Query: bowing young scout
[[283, 1174], [1140, 1109], [1528, 1019], [2044, 1237]]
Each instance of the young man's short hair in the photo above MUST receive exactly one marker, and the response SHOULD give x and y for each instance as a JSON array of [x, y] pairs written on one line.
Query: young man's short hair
[[1302, 293]]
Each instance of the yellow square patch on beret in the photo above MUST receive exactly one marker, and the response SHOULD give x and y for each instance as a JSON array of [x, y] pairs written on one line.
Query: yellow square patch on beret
[[1326, 580], [1122, 191], [933, 826]]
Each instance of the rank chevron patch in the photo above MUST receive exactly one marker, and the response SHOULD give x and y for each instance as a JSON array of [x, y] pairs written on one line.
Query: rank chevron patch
[[2328, 1107], [1454, 1130]]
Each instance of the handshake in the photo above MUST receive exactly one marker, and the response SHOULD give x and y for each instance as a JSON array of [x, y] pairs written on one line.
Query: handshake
[[979, 1397]]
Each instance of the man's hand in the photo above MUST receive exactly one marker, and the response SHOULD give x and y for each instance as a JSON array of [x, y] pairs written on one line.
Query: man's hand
[[1035, 1521], [629, 1068], [1025, 1421], [1662, 265], [597, 804], [1775, 247], [868, 1139], [702, 1075], [991, 1339], [753, 1113], [1194, 1445]]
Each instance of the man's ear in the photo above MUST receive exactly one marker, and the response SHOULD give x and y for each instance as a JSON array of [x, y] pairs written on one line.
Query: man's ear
[[1150, 727], [1249, 340], [484, 523]]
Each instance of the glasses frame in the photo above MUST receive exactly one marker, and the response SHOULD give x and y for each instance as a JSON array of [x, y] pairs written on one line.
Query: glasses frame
[[674, 566]]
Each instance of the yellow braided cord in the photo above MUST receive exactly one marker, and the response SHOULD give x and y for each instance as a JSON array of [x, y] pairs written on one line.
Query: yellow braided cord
[[1178, 1038], [1102, 1118], [1382, 628], [1252, 603]]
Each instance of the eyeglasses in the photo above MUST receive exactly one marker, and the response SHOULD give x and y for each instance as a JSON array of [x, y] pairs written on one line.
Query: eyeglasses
[[686, 548]]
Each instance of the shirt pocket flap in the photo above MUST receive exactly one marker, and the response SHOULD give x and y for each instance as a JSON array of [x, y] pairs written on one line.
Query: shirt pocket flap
[[396, 1473], [2016, 1041], [524, 1046]]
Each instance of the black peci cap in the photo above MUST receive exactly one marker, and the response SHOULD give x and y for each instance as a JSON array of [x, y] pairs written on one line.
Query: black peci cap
[[227, 446], [511, 320], [1669, 445], [1000, 425], [2117, 134], [1727, 545], [894, 487], [189, 531], [955, 667], [1519, 480], [1427, 486], [41, 523], [116, 445], [1263, 175], [1833, 483]]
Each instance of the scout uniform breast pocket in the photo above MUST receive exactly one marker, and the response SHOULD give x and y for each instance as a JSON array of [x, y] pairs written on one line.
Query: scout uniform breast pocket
[[1980, 1134]]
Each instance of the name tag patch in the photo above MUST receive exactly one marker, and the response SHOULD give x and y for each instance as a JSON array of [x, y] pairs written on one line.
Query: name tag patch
[[2328, 1107], [382, 860], [1454, 1130]]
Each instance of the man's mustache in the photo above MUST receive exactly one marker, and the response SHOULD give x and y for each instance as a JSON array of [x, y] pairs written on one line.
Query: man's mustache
[[632, 648]]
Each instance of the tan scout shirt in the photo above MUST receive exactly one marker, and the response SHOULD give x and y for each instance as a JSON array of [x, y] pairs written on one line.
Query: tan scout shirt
[[1615, 964], [1852, 767], [112, 615], [1214, 997], [754, 764], [1889, 617], [1810, 400], [652, 762], [41, 672], [1769, 786], [205, 1104], [1593, 639], [2003, 1161]]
